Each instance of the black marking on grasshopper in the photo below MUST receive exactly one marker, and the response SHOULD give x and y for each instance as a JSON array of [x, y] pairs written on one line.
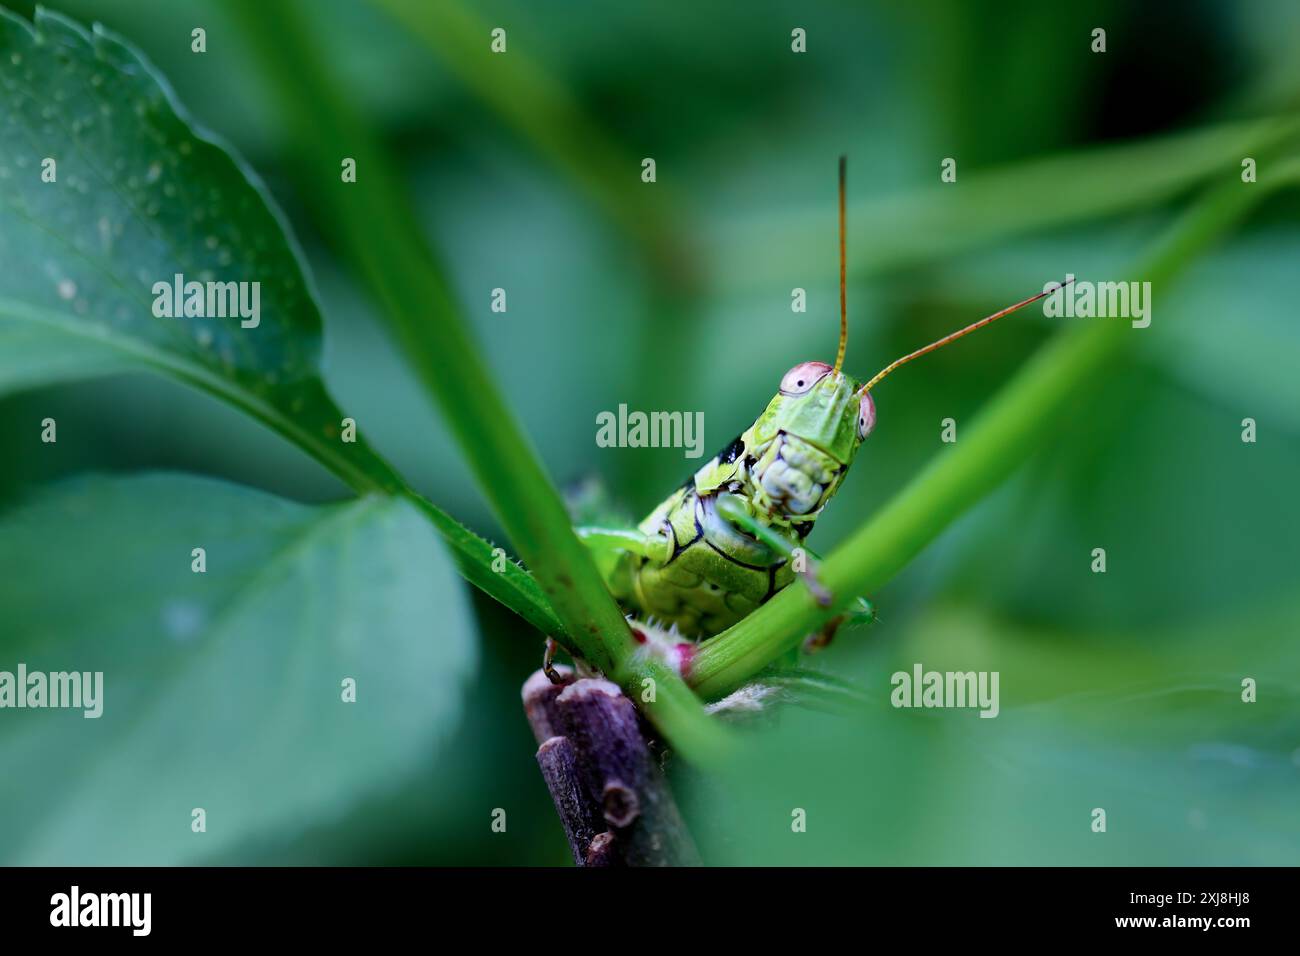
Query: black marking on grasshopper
[[726, 457], [732, 559], [771, 582], [679, 548], [732, 451]]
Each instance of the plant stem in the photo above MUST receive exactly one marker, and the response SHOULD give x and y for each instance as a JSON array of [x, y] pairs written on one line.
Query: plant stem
[[1011, 427], [536, 103], [608, 789], [994, 205], [530, 100], [373, 222]]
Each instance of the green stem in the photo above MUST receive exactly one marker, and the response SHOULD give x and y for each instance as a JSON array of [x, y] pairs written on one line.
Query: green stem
[[991, 206], [1011, 427], [374, 223], [532, 100], [520, 90]]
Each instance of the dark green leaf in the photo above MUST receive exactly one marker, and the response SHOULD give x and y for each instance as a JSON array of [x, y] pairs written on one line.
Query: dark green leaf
[[139, 197], [221, 690]]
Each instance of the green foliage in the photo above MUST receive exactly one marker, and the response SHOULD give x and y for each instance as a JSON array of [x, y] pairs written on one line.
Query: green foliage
[[994, 205], [1120, 690], [383, 240], [141, 197], [1011, 428], [144, 197], [222, 689], [1147, 725]]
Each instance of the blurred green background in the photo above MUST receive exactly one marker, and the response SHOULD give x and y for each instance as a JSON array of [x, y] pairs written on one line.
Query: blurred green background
[[1119, 690]]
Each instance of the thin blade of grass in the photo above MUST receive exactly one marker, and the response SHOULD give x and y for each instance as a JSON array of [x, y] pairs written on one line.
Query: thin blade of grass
[[373, 224]]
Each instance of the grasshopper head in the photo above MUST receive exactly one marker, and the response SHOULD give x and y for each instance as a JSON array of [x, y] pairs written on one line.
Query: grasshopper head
[[804, 442], [822, 407], [806, 438]]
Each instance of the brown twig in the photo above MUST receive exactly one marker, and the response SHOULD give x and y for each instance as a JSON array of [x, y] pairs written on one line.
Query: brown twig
[[609, 792]]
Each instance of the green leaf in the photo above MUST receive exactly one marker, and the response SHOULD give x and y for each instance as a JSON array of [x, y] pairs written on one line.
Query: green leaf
[[30, 357], [221, 690], [140, 196]]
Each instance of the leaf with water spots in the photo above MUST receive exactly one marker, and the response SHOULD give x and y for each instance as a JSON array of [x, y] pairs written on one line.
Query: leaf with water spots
[[221, 690], [107, 190], [135, 197]]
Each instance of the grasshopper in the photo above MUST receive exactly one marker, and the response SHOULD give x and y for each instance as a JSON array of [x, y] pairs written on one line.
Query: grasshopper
[[733, 534]]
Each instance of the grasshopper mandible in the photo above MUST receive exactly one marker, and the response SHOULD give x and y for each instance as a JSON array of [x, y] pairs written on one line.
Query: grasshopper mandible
[[733, 534]]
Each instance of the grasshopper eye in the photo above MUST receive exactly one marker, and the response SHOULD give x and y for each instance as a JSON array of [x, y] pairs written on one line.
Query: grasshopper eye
[[803, 377], [866, 415]]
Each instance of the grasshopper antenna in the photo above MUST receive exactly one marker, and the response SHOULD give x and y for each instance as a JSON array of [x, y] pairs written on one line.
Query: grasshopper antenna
[[844, 308], [954, 336]]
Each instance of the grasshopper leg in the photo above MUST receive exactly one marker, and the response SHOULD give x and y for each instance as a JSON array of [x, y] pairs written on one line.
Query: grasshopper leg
[[862, 612], [548, 661], [733, 512], [606, 540]]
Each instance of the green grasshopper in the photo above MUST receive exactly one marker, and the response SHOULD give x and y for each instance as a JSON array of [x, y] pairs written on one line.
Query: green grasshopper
[[732, 535]]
